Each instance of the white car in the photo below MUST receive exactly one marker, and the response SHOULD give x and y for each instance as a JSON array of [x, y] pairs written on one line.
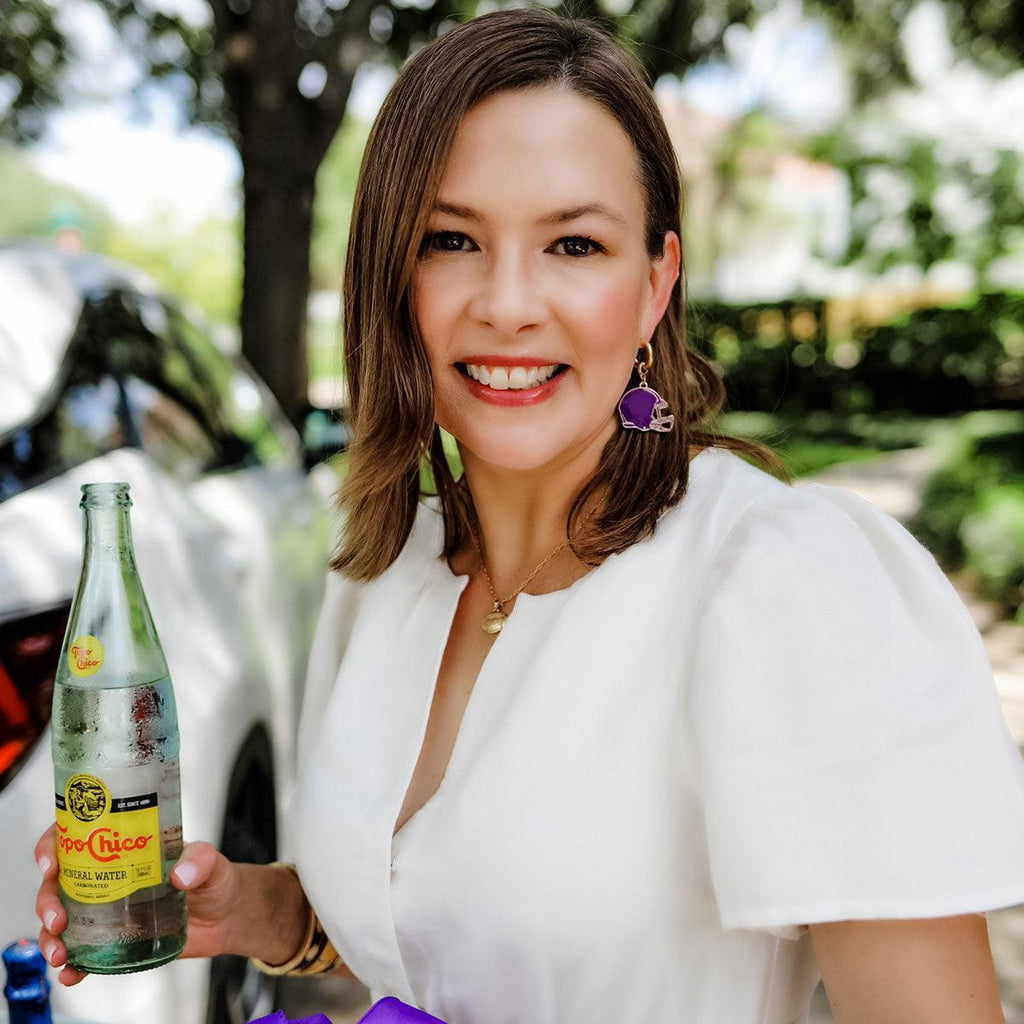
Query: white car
[[103, 378]]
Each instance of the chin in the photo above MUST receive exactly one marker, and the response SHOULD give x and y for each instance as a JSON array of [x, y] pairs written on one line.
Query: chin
[[513, 455], [526, 448]]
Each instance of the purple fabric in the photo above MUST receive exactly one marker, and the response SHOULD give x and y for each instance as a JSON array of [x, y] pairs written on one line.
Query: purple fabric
[[393, 1011], [279, 1018], [385, 1011]]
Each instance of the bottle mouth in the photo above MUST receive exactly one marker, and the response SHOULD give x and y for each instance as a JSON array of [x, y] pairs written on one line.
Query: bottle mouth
[[105, 495]]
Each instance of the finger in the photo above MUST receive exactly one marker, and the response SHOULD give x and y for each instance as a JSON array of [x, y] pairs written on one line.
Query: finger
[[49, 909], [198, 864], [71, 976], [54, 951], [56, 955], [46, 852]]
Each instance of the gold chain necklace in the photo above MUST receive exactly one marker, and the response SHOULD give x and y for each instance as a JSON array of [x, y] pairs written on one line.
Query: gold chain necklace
[[495, 619]]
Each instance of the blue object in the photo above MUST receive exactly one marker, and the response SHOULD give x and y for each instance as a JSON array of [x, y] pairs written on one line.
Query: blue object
[[27, 989]]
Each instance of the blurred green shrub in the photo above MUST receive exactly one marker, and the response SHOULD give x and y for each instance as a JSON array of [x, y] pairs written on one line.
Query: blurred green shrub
[[816, 440], [972, 512], [784, 357]]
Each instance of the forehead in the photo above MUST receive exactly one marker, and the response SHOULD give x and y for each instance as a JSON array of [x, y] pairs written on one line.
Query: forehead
[[541, 148]]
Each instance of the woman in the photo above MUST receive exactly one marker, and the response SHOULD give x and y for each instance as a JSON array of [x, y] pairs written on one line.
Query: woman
[[618, 727]]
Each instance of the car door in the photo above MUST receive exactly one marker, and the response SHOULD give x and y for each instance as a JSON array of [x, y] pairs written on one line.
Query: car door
[[275, 513]]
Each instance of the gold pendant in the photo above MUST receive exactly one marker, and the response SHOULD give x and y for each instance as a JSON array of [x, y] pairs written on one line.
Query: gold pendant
[[494, 621]]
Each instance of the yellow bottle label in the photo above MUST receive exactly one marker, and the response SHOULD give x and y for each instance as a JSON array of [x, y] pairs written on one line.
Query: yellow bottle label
[[85, 656], [107, 847]]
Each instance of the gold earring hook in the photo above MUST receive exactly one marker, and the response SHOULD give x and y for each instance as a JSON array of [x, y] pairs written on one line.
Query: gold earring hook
[[642, 368]]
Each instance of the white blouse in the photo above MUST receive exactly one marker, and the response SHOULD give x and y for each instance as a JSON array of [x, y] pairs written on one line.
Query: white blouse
[[774, 711]]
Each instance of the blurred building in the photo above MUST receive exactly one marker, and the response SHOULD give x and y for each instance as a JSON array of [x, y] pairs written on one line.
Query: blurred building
[[761, 221]]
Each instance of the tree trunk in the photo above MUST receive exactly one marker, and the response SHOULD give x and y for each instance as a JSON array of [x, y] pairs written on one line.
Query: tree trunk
[[278, 224], [282, 137]]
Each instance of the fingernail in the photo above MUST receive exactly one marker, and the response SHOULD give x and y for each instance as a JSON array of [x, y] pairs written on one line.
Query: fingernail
[[186, 874], [48, 918], [44, 863], [50, 952]]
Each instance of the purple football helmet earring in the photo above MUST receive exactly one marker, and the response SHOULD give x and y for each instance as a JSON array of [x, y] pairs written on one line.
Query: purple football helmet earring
[[642, 408]]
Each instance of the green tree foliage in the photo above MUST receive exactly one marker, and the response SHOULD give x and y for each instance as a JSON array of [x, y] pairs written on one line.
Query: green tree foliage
[[33, 56], [30, 204], [202, 263], [912, 205], [335, 192], [972, 512]]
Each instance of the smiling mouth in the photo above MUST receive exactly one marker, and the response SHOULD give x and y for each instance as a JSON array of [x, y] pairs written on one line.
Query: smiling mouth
[[511, 378]]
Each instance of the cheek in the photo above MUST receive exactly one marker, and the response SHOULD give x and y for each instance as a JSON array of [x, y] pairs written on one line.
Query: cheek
[[608, 330], [436, 324], [428, 317]]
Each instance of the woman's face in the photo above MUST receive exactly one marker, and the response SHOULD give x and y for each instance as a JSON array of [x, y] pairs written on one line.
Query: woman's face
[[534, 290]]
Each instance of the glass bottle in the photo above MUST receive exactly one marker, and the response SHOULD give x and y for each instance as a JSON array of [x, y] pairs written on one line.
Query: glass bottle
[[115, 758]]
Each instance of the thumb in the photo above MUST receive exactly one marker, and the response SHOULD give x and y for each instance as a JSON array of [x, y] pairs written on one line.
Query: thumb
[[197, 866]]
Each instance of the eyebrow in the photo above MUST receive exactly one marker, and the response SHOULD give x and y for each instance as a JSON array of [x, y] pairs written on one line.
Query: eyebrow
[[556, 217]]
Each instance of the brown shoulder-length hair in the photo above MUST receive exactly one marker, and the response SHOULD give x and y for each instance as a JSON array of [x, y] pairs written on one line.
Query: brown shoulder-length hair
[[639, 475]]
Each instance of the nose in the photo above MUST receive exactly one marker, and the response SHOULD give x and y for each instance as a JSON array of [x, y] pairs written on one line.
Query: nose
[[508, 295]]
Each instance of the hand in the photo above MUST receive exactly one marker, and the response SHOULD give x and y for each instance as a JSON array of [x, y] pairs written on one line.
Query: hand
[[210, 880]]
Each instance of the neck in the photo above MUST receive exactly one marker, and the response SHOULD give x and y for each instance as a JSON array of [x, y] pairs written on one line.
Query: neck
[[522, 514]]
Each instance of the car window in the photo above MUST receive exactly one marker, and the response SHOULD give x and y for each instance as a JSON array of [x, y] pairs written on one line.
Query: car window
[[174, 407], [168, 431], [87, 419], [246, 407]]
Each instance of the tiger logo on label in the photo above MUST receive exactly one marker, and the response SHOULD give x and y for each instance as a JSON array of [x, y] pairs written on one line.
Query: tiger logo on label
[[87, 797]]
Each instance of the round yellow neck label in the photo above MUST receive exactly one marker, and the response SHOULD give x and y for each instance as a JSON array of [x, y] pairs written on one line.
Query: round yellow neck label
[[85, 656]]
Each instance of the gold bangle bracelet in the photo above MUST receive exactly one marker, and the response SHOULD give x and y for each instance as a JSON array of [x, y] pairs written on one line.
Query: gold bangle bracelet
[[316, 954]]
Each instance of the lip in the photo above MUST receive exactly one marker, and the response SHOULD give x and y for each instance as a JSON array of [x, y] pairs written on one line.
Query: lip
[[524, 361], [514, 399]]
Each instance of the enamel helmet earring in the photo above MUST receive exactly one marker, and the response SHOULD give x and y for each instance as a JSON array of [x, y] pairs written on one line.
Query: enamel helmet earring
[[642, 408]]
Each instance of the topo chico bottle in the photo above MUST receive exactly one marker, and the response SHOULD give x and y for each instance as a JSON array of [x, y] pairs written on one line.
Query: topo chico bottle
[[115, 760]]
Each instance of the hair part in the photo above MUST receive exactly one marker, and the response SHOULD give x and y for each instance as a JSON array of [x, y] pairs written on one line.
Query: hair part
[[639, 475]]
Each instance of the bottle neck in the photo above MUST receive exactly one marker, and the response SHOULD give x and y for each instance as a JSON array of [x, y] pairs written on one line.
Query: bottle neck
[[111, 639], [108, 536]]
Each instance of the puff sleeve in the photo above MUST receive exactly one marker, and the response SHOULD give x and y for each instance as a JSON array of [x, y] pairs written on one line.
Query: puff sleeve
[[853, 758]]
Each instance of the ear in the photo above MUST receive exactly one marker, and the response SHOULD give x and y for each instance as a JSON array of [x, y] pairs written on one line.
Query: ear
[[660, 281]]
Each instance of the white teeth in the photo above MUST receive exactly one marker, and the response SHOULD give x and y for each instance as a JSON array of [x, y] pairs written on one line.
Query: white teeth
[[514, 378]]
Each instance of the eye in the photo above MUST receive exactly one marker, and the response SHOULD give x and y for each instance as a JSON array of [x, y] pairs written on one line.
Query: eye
[[577, 243], [452, 241], [442, 241]]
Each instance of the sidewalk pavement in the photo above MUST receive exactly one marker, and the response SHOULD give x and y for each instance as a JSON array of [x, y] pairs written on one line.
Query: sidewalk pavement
[[893, 483]]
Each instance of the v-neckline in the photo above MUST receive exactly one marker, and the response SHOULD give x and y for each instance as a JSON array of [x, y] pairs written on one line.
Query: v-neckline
[[458, 585], [453, 584]]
